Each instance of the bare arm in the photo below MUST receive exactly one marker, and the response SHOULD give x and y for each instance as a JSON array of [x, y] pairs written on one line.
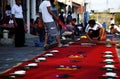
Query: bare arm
[[49, 10], [89, 37]]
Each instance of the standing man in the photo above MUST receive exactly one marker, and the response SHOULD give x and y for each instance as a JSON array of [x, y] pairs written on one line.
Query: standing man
[[17, 15], [47, 16]]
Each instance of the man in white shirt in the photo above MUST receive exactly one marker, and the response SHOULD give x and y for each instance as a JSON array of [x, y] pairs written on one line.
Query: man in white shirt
[[95, 29], [17, 15], [114, 29], [47, 16]]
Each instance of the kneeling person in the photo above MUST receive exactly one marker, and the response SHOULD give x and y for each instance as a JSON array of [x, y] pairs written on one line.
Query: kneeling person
[[68, 32], [95, 29]]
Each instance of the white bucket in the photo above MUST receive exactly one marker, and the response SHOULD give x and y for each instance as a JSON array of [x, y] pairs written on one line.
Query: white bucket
[[5, 34]]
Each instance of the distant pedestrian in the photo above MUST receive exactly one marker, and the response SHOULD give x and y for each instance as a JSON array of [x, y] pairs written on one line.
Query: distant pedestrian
[[69, 17], [17, 15], [47, 15]]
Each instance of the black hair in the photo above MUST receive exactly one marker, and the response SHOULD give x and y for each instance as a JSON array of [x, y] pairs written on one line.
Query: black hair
[[74, 19], [52, 3], [112, 24], [92, 22]]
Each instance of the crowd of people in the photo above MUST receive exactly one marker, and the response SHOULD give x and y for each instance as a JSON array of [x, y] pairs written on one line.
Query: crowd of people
[[47, 25], [50, 17]]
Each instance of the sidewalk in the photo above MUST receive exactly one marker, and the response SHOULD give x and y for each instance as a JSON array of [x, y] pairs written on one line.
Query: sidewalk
[[11, 56]]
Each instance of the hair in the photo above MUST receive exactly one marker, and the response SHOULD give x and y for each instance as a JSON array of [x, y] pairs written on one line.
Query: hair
[[52, 2], [112, 24], [92, 22], [74, 19], [111, 18]]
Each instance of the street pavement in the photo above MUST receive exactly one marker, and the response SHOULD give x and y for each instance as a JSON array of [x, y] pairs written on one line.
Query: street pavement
[[11, 56]]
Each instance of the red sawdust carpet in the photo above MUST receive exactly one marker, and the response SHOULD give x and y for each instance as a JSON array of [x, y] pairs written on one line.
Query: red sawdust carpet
[[77, 61]]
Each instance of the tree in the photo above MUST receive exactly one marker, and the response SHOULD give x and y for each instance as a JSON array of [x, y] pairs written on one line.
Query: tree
[[117, 18]]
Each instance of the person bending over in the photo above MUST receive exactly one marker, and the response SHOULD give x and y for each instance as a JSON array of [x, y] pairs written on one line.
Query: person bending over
[[113, 29], [95, 30]]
